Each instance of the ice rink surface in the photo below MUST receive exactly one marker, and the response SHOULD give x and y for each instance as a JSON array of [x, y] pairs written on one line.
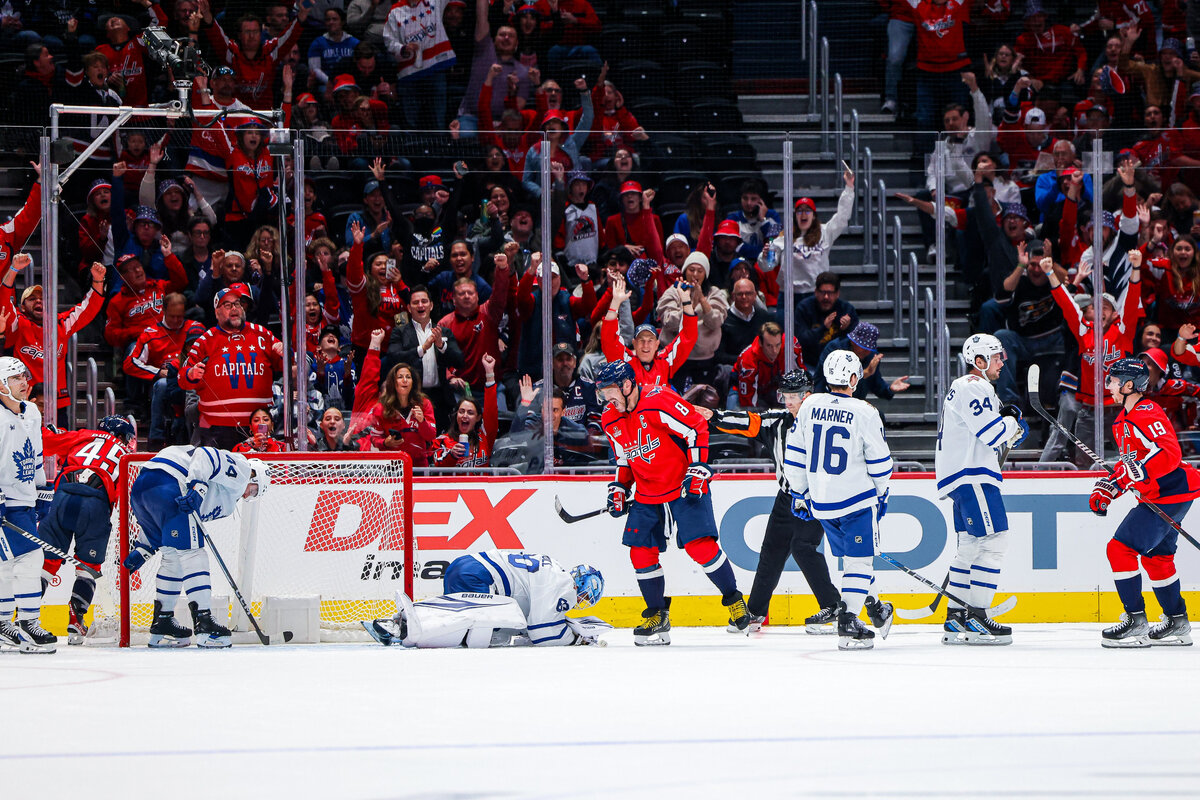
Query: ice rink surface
[[780, 714]]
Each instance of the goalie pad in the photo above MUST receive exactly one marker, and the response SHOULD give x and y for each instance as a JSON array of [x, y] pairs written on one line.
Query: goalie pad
[[588, 630], [462, 619]]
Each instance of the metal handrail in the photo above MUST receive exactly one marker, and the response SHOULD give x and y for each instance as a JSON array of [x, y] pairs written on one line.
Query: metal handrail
[[881, 243], [92, 382], [811, 55], [898, 289], [824, 96], [930, 389], [943, 358], [867, 183], [110, 402], [855, 156], [838, 125], [912, 313], [72, 386]]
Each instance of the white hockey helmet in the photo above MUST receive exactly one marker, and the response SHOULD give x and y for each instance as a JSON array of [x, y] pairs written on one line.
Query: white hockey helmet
[[259, 476], [981, 344], [839, 366], [10, 368]]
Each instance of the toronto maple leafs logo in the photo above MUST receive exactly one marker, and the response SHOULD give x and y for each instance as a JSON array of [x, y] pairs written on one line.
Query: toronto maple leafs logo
[[211, 515], [23, 458]]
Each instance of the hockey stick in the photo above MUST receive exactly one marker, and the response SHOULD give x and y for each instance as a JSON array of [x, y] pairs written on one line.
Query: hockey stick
[[1035, 400], [262, 637], [568, 517], [996, 611], [51, 549]]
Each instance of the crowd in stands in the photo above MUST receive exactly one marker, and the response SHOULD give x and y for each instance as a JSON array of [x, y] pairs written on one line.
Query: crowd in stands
[[1022, 89], [422, 278]]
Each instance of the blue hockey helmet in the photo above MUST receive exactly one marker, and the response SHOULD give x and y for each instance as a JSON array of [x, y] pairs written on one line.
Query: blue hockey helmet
[[613, 373], [589, 585], [1131, 369], [119, 427]]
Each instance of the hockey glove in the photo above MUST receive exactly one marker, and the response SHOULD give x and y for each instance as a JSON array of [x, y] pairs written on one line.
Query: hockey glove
[[42, 506], [695, 480], [881, 505], [1011, 410], [1019, 436], [194, 498], [800, 508], [137, 557], [3, 508], [1128, 471], [617, 505], [1103, 493]]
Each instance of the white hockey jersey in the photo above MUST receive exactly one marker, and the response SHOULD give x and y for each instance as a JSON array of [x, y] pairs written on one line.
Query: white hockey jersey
[[837, 456], [225, 474], [22, 472], [542, 587], [970, 433]]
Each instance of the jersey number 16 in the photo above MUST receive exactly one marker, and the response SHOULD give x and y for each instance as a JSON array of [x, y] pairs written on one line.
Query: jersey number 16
[[835, 457]]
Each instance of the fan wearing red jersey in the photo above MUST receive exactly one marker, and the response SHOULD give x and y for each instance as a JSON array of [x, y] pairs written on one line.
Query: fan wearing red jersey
[[650, 366], [232, 367], [661, 446], [253, 60], [1152, 467], [82, 507]]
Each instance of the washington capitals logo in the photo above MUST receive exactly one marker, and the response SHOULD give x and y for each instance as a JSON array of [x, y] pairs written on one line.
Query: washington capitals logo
[[23, 458], [644, 448]]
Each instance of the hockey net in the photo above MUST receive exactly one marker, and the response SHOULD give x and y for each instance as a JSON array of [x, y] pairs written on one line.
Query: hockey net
[[332, 528]]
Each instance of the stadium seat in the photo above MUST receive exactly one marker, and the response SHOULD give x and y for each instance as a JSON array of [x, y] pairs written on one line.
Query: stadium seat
[[655, 113], [680, 43], [699, 79], [729, 447], [642, 11], [335, 189], [729, 187], [337, 217], [724, 154], [714, 114], [620, 42], [639, 79], [675, 187]]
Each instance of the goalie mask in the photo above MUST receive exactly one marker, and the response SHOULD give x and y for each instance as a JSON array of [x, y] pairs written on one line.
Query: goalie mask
[[259, 476], [589, 586], [12, 368]]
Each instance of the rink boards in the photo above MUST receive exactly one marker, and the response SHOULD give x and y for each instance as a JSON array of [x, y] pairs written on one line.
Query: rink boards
[[1056, 561]]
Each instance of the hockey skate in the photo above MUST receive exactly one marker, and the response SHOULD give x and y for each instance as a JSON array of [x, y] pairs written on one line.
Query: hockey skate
[[655, 628], [35, 639], [880, 615], [982, 630], [1172, 630], [823, 622], [165, 631], [756, 623], [1131, 631], [955, 629], [10, 637], [76, 628], [852, 634], [739, 617], [208, 632]]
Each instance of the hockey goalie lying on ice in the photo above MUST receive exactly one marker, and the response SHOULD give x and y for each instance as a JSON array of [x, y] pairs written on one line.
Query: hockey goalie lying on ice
[[495, 599]]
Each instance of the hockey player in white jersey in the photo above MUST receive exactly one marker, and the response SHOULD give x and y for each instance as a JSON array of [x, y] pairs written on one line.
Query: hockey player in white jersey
[[495, 599], [21, 475], [173, 494], [974, 427], [838, 464]]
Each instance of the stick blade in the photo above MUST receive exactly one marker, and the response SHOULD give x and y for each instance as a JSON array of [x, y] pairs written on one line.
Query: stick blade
[[914, 613]]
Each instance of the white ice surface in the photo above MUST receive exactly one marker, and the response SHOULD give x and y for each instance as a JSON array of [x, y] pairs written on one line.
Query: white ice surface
[[781, 714]]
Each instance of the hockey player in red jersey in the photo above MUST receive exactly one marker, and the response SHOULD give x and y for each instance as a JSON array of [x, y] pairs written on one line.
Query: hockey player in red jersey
[[84, 495], [1152, 467], [661, 445], [651, 366]]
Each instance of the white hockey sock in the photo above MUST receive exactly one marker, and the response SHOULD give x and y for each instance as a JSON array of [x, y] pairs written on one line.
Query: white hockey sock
[[960, 569], [857, 577], [196, 580], [169, 580], [8, 603], [985, 570], [27, 584]]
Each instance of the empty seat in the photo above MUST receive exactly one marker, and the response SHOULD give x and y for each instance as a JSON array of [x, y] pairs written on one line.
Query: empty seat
[[697, 79], [655, 113], [666, 152], [620, 43], [639, 79], [714, 114], [729, 153], [675, 187]]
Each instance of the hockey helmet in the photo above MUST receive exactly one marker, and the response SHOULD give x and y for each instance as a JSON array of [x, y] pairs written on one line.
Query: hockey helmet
[[840, 366], [981, 345], [119, 427], [1131, 369], [589, 585], [613, 373], [795, 382], [10, 368], [259, 476]]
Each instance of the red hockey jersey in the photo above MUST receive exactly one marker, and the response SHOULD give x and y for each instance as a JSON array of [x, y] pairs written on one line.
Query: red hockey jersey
[[1118, 339], [393, 298], [87, 453], [16, 231], [157, 346], [1147, 434], [255, 77], [757, 378], [130, 312], [24, 336], [239, 369], [246, 177], [655, 443], [665, 364], [941, 46]]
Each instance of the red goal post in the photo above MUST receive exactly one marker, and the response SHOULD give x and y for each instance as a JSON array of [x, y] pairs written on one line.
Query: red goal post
[[334, 527]]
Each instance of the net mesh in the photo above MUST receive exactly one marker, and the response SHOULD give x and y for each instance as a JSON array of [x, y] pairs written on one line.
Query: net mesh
[[334, 527]]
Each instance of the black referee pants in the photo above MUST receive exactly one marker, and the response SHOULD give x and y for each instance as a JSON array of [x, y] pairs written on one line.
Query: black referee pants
[[787, 533]]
